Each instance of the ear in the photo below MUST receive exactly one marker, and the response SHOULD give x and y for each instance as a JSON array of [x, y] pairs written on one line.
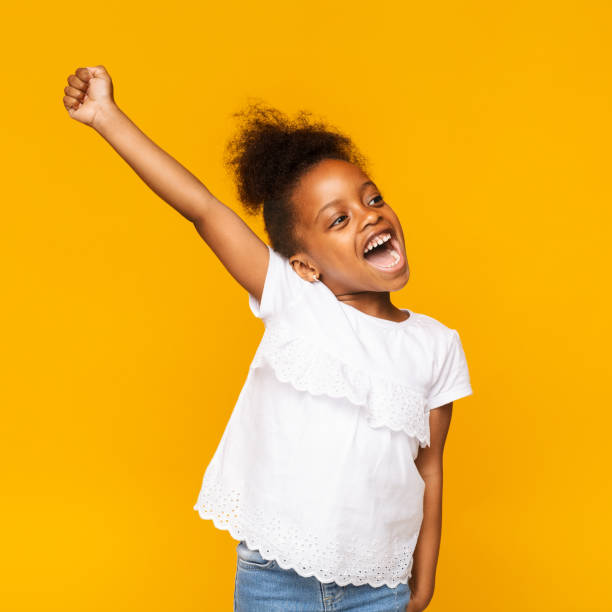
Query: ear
[[304, 268]]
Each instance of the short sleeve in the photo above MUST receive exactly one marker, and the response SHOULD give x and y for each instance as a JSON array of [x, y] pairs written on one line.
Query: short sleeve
[[282, 285], [451, 376]]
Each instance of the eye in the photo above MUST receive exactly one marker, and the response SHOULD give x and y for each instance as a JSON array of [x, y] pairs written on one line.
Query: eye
[[340, 217], [375, 197]]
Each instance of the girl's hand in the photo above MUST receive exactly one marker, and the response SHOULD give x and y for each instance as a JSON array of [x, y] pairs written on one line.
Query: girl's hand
[[419, 600], [417, 603], [88, 94]]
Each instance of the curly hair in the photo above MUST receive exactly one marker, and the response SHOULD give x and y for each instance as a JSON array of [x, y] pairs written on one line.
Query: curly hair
[[269, 154]]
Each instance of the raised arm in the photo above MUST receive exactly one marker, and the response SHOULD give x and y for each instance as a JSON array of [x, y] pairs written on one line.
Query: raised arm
[[89, 99]]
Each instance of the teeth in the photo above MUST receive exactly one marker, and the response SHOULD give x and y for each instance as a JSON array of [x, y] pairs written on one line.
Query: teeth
[[397, 258], [378, 240]]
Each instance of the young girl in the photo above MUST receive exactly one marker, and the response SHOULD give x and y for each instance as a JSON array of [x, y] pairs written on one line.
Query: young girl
[[329, 472]]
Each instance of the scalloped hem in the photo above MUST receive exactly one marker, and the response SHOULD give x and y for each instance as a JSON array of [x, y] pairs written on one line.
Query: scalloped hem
[[254, 545]]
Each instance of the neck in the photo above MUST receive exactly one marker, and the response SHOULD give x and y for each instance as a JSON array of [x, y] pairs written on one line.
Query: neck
[[374, 303]]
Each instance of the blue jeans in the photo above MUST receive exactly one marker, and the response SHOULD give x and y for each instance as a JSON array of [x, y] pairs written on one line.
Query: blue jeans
[[264, 586]]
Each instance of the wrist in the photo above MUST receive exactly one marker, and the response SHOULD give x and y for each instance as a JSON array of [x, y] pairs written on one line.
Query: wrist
[[422, 584], [105, 116]]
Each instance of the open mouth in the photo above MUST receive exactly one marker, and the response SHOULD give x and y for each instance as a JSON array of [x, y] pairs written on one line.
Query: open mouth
[[384, 252]]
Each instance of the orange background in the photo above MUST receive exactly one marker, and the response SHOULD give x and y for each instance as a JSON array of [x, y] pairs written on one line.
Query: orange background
[[126, 343]]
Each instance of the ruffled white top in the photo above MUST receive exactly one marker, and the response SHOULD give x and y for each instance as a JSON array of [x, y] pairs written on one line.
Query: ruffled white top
[[315, 468]]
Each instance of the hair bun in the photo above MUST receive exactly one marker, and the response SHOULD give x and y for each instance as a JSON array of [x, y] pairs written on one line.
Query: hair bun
[[268, 154]]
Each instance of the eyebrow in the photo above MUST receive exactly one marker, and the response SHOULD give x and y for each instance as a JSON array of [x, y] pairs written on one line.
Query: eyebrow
[[338, 200]]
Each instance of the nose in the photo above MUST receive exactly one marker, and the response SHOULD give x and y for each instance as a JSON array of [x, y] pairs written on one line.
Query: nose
[[369, 216]]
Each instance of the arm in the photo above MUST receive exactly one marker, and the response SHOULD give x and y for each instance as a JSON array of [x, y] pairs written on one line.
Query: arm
[[89, 99], [429, 463]]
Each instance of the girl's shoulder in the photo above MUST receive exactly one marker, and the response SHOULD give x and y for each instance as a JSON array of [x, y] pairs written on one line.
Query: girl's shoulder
[[433, 325], [282, 288], [435, 338]]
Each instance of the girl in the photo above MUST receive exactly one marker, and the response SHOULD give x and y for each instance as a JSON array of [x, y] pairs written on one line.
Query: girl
[[329, 472]]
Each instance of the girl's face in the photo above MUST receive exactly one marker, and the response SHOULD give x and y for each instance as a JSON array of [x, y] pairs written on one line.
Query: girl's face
[[340, 211]]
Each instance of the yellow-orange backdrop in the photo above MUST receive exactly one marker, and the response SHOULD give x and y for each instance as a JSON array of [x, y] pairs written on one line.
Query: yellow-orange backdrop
[[126, 342]]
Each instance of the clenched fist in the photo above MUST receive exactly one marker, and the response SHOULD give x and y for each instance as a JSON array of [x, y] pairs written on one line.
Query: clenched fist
[[88, 94]]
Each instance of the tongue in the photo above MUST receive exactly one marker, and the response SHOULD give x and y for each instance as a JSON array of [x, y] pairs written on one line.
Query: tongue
[[381, 256]]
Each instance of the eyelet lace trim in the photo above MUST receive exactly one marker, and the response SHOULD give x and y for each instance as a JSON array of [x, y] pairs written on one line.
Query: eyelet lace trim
[[307, 367], [352, 562]]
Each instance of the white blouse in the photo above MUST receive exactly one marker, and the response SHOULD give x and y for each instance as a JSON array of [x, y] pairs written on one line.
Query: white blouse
[[315, 468]]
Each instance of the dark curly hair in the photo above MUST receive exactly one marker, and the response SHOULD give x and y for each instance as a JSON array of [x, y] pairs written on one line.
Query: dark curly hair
[[268, 155]]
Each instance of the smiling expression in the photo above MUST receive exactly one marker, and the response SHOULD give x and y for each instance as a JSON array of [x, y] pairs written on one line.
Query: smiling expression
[[342, 214]]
